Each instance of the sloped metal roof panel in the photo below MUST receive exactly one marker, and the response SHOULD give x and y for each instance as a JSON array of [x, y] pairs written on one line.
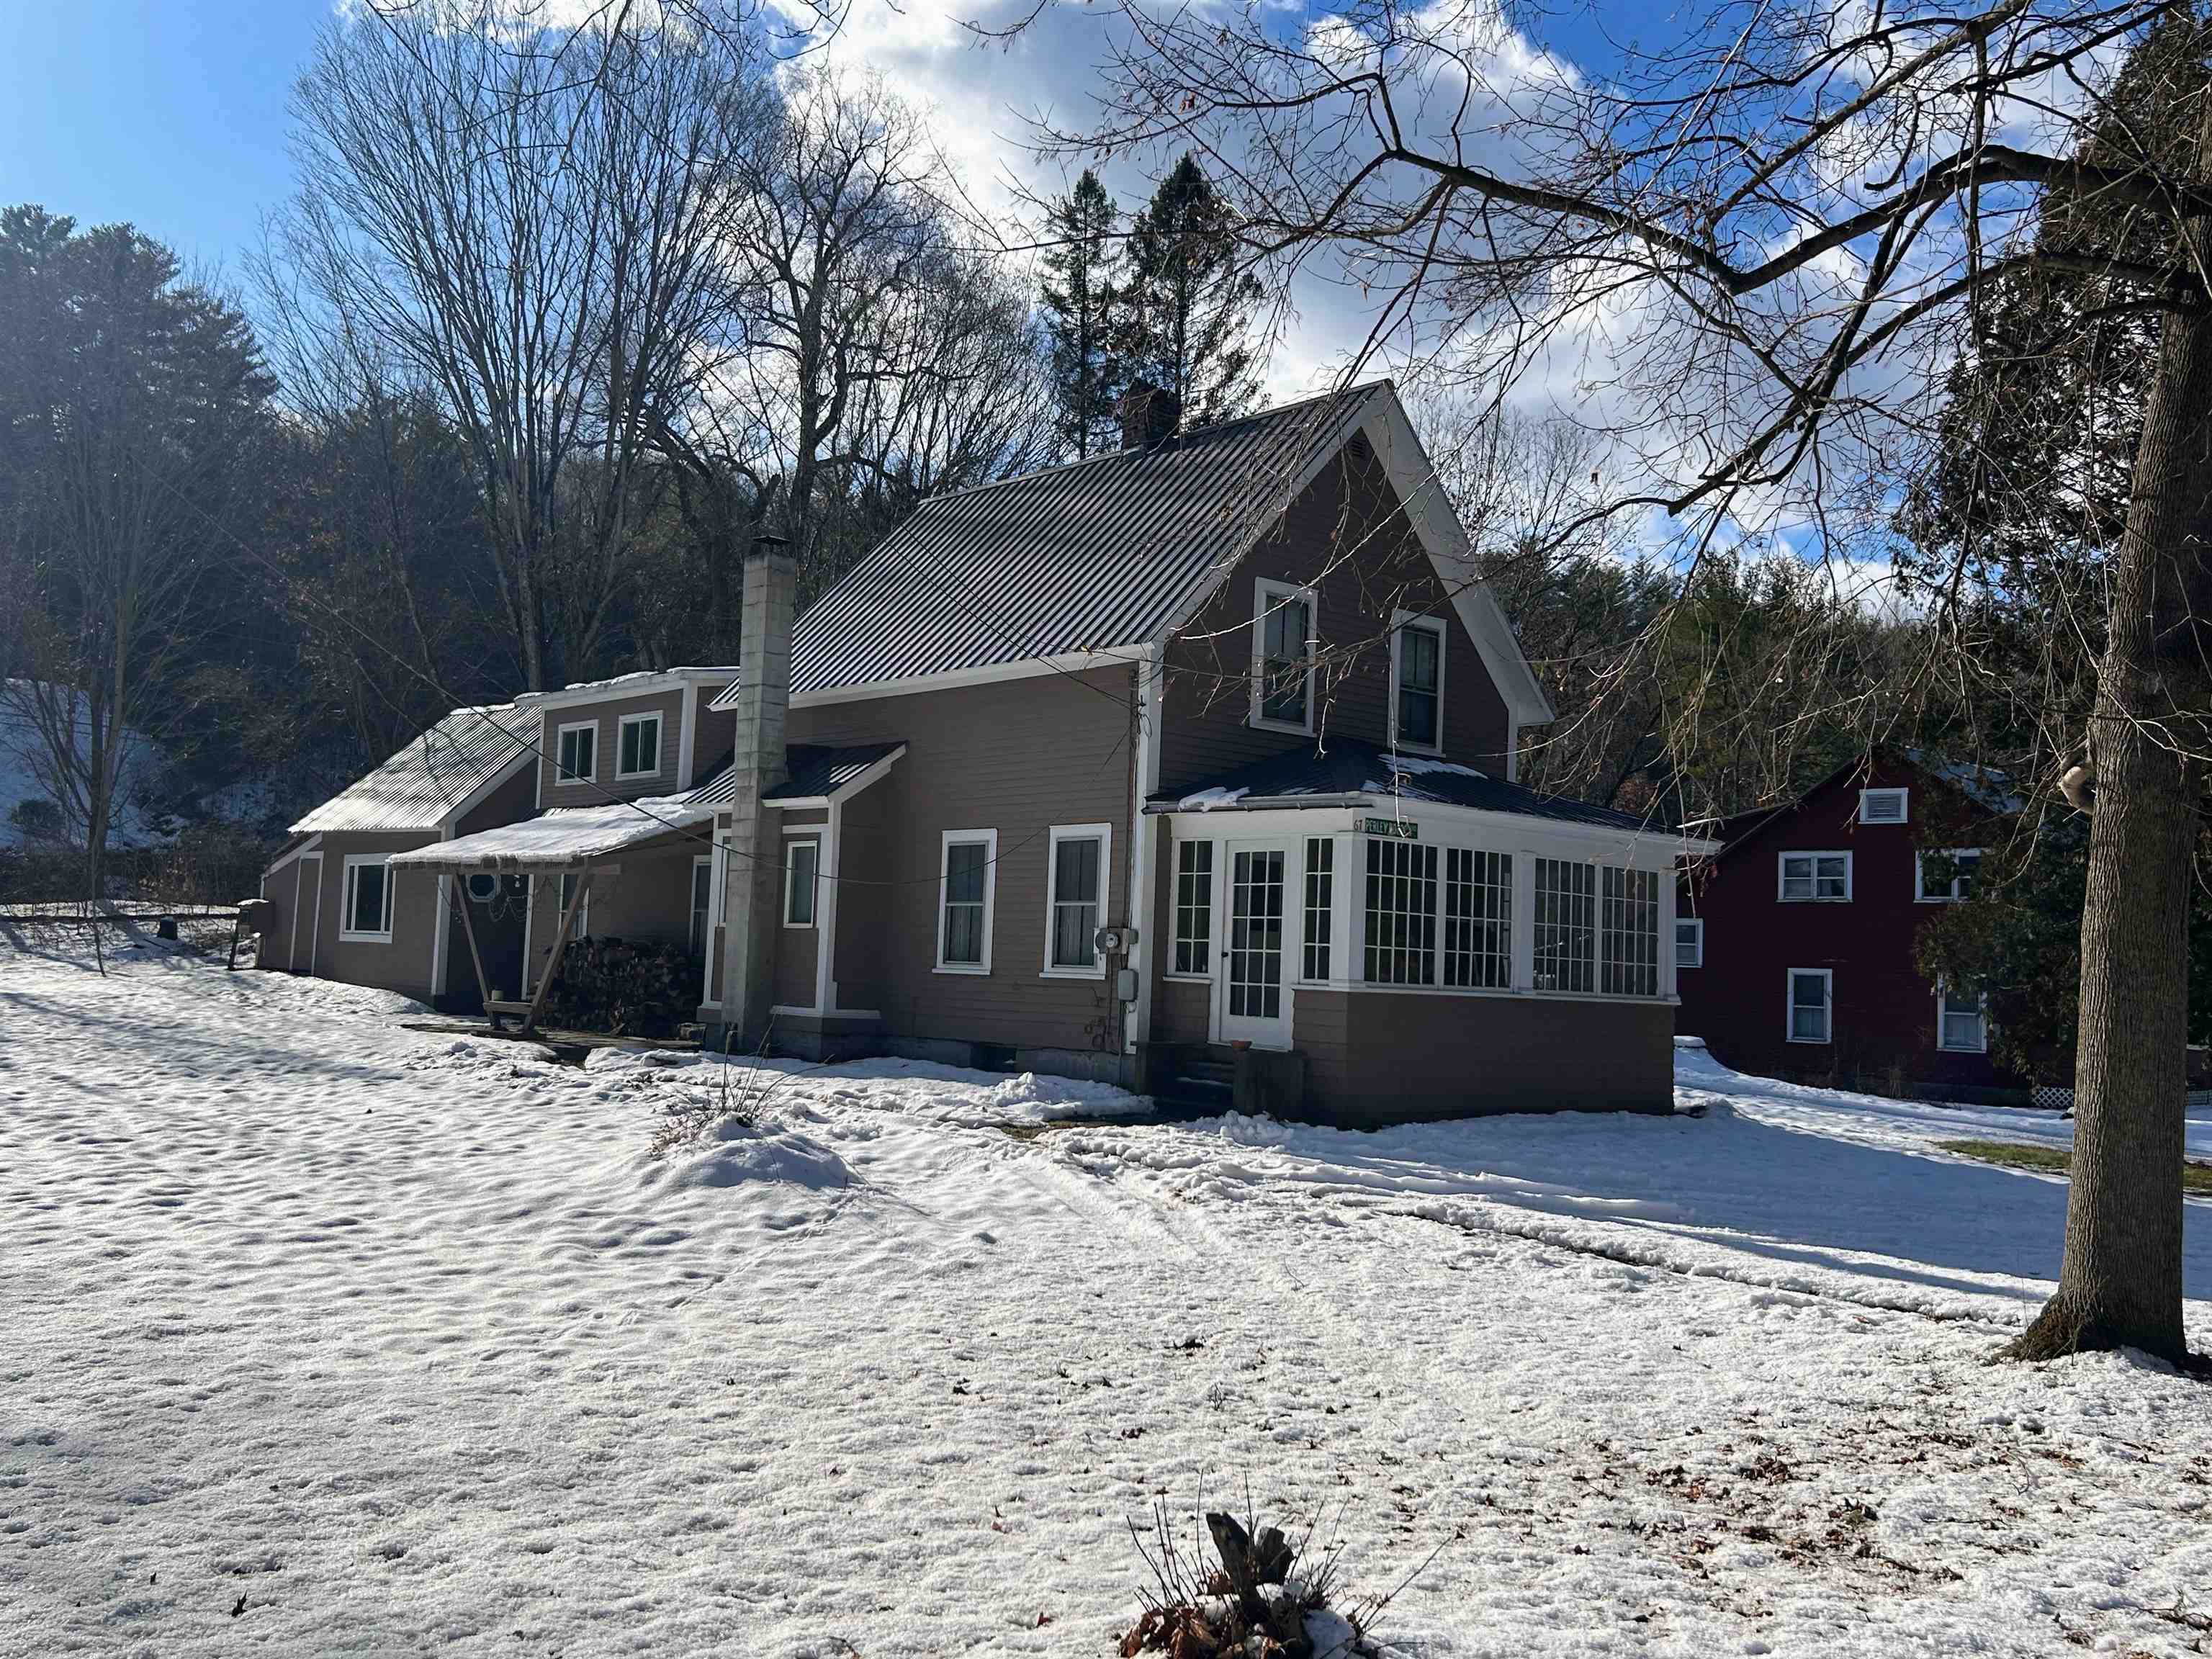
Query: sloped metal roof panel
[[1090, 556], [421, 785]]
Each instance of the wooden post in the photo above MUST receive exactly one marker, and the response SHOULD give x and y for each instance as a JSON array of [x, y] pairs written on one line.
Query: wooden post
[[560, 945], [460, 892]]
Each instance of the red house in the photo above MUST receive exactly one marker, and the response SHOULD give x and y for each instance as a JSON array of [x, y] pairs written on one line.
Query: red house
[[1793, 944]]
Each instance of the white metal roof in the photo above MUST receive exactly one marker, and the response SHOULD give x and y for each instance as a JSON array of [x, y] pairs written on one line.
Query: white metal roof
[[421, 786]]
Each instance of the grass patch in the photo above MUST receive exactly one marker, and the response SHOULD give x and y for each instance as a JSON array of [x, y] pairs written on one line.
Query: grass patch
[[2194, 1177]]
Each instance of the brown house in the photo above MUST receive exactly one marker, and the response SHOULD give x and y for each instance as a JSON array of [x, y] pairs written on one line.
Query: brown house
[[1189, 767], [1794, 943]]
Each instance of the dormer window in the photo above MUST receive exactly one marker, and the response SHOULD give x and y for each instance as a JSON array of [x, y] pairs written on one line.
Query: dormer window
[[1282, 657], [640, 754], [580, 752], [1416, 683]]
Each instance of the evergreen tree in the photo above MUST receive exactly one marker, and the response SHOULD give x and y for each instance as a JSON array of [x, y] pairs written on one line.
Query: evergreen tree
[[1188, 311], [1080, 294]]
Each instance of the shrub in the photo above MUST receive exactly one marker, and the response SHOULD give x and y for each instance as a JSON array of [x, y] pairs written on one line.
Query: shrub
[[1254, 1594], [625, 988], [40, 819]]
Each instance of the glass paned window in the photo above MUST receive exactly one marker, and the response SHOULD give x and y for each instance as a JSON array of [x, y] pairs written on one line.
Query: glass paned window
[[1321, 897], [1194, 903], [1565, 924], [1402, 912], [702, 904], [1286, 655], [1811, 875], [1808, 1005], [802, 865], [1075, 881], [1629, 934], [579, 746], [967, 865], [1421, 683], [370, 907], [1965, 1026], [1689, 942], [565, 891], [1478, 919], [1947, 875], [641, 744]]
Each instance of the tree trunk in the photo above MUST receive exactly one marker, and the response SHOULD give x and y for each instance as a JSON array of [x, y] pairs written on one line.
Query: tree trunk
[[2120, 1284]]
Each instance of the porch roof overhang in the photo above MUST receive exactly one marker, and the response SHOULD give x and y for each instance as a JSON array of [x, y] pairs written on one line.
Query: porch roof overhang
[[568, 840], [1349, 775]]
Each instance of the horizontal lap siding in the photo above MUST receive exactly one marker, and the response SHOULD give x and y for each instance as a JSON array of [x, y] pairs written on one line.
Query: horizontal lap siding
[[1347, 536], [715, 742], [864, 850], [405, 964], [669, 705], [1019, 756], [1182, 1011], [1375, 1057]]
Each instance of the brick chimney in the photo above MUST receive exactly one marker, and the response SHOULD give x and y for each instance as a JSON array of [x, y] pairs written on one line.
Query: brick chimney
[[753, 876], [1149, 416]]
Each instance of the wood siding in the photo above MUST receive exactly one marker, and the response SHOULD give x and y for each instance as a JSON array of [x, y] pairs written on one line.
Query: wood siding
[[1347, 536], [1883, 1012], [607, 715], [1018, 757], [405, 964], [1381, 1057]]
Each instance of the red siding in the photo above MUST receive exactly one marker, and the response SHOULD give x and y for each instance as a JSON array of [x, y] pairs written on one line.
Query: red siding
[[1884, 1013]]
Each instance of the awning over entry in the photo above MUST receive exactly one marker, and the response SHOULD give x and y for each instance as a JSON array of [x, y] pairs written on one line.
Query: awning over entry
[[568, 839]]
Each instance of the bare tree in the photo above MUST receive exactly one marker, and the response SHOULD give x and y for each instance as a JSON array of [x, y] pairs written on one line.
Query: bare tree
[[1747, 254], [133, 395], [531, 220]]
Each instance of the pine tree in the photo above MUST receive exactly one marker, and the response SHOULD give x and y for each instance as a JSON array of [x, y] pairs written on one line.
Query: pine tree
[[1187, 312], [1080, 296]]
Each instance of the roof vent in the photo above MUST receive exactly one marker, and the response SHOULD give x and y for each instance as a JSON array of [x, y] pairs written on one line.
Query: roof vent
[[1149, 416]]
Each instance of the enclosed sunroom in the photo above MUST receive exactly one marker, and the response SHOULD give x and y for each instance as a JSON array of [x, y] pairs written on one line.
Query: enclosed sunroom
[[1417, 939]]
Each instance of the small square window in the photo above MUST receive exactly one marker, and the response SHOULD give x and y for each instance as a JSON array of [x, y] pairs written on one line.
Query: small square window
[[1815, 877], [1942, 878]]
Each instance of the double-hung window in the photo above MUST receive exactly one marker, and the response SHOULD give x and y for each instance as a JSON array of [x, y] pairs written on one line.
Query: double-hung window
[[967, 875], [1282, 657], [1416, 683], [1074, 898], [1689, 941], [802, 869], [368, 917], [578, 752], [1811, 1011], [1941, 878], [1193, 908], [638, 755], [1962, 1023], [1814, 877], [1565, 924]]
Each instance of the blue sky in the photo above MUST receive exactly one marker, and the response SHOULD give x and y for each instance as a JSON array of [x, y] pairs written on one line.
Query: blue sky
[[169, 113]]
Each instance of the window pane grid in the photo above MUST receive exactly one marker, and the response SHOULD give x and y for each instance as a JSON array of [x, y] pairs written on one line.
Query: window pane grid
[[1321, 897], [1630, 938], [1478, 919], [1256, 935], [1194, 937], [1402, 912], [1075, 902], [1565, 924]]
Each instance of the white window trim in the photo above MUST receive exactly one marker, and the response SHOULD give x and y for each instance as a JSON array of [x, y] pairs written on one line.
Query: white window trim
[[1904, 808], [346, 929], [1265, 595], [700, 860], [1941, 1046], [1400, 622], [790, 880], [659, 737], [1697, 924], [1204, 976], [989, 841], [1920, 893], [1104, 834], [583, 927], [1789, 978], [560, 774], [1781, 897]]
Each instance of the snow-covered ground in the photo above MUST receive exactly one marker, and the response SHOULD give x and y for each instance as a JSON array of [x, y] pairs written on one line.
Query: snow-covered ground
[[326, 1337]]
